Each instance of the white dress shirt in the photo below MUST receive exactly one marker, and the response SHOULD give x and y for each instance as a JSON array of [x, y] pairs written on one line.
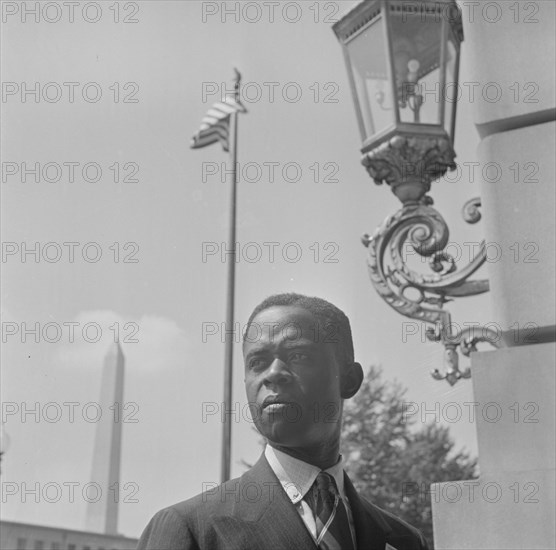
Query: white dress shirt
[[297, 477]]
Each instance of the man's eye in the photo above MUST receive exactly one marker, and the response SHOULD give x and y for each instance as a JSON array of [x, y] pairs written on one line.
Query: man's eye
[[299, 357], [257, 363]]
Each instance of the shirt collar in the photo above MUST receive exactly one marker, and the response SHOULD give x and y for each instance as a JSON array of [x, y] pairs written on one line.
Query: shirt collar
[[296, 476]]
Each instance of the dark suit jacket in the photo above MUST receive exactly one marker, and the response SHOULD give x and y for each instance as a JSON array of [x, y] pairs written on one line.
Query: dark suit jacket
[[253, 512]]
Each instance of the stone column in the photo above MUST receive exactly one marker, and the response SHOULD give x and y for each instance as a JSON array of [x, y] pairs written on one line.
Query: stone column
[[512, 505]]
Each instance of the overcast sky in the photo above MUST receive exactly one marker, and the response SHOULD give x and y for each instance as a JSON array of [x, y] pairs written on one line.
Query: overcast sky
[[152, 283]]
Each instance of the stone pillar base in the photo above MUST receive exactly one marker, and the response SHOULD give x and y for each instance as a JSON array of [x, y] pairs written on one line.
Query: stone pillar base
[[513, 504]]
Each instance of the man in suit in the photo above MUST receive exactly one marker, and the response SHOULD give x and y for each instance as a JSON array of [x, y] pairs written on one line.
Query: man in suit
[[299, 368]]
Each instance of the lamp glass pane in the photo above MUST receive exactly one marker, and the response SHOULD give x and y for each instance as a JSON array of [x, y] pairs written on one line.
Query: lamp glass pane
[[416, 47], [367, 55], [451, 88]]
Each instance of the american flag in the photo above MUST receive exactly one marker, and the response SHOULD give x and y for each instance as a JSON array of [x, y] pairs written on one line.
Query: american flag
[[215, 125]]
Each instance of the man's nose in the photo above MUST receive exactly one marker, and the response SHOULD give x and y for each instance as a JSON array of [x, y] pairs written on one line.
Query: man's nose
[[277, 373]]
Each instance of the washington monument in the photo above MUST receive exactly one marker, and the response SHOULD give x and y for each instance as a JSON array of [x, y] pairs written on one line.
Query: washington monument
[[102, 516]]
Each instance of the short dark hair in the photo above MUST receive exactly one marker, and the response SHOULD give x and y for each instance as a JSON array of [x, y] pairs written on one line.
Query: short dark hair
[[325, 312]]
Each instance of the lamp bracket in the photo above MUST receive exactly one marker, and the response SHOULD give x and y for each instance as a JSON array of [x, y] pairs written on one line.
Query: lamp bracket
[[418, 230], [409, 163]]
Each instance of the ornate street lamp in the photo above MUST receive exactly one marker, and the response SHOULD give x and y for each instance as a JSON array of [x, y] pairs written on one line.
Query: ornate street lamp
[[402, 60]]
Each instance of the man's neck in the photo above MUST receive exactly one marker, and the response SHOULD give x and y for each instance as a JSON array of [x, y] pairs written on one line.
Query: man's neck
[[319, 457]]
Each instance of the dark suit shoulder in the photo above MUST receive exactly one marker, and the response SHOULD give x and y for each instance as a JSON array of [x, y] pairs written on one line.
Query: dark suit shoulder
[[394, 521], [399, 530], [167, 530], [214, 499], [188, 524]]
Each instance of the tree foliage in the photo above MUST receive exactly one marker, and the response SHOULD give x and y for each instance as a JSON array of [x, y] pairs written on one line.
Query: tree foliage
[[391, 461]]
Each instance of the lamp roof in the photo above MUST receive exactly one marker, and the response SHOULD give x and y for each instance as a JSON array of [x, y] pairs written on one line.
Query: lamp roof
[[364, 12]]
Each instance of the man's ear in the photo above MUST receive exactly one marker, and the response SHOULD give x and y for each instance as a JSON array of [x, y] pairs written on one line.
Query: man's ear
[[351, 380]]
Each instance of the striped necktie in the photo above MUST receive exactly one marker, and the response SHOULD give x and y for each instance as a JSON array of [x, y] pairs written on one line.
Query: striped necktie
[[333, 532]]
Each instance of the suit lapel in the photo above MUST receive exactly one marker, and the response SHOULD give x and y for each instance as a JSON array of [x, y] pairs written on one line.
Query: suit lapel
[[370, 528], [265, 514]]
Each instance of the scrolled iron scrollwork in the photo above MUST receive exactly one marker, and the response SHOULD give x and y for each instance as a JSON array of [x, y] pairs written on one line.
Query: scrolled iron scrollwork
[[420, 228]]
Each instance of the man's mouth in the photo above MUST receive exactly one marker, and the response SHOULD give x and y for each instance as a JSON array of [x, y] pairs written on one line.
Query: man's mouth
[[274, 403]]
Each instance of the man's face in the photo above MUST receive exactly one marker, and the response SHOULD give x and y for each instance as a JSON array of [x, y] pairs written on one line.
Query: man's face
[[292, 378]]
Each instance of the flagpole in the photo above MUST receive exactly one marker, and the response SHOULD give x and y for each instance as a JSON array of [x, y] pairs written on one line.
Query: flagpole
[[229, 333]]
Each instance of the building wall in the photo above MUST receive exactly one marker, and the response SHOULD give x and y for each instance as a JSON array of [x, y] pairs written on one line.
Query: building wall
[[26, 536]]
